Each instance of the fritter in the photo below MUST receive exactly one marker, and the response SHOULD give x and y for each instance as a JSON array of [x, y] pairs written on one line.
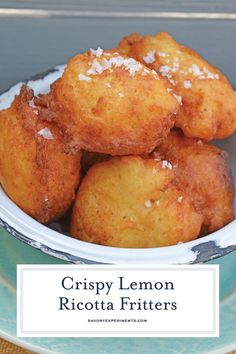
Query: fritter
[[127, 43], [203, 172], [112, 104], [35, 171], [208, 108], [132, 202]]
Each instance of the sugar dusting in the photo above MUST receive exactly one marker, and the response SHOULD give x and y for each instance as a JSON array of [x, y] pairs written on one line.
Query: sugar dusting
[[161, 54], [103, 61], [82, 77], [97, 52], [171, 65], [150, 57], [45, 133], [166, 164], [203, 74], [178, 98], [187, 84], [32, 105], [148, 203], [129, 64]]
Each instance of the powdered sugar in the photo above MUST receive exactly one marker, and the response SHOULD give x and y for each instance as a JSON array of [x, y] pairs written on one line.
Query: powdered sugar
[[97, 52], [178, 98], [96, 68], [32, 105], [148, 203], [187, 84], [150, 57], [111, 62], [45, 133], [173, 65], [166, 164], [202, 74], [161, 54], [165, 70], [82, 77]]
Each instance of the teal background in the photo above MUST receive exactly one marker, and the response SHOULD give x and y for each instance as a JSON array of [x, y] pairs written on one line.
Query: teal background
[[13, 252]]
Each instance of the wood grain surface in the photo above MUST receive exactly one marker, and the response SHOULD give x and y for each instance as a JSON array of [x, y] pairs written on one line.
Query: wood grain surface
[[9, 348]]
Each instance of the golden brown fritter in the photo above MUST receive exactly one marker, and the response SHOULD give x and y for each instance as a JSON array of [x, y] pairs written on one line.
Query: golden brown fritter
[[203, 172], [132, 202], [112, 104], [127, 42], [34, 170], [208, 101]]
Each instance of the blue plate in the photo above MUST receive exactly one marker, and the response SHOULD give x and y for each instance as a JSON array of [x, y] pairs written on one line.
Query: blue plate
[[13, 252]]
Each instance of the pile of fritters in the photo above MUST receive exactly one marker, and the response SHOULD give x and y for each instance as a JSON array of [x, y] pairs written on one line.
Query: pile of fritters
[[123, 138]]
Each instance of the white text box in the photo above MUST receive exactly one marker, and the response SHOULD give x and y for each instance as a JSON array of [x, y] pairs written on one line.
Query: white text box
[[117, 301]]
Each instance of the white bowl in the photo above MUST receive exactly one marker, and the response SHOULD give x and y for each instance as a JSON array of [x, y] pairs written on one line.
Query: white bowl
[[52, 242]]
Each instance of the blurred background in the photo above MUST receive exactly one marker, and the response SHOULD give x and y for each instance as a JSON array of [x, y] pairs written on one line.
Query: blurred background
[[36, 35]]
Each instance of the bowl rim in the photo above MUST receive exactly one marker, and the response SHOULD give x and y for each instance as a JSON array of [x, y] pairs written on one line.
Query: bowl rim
[[54, 243], [59, 245]]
